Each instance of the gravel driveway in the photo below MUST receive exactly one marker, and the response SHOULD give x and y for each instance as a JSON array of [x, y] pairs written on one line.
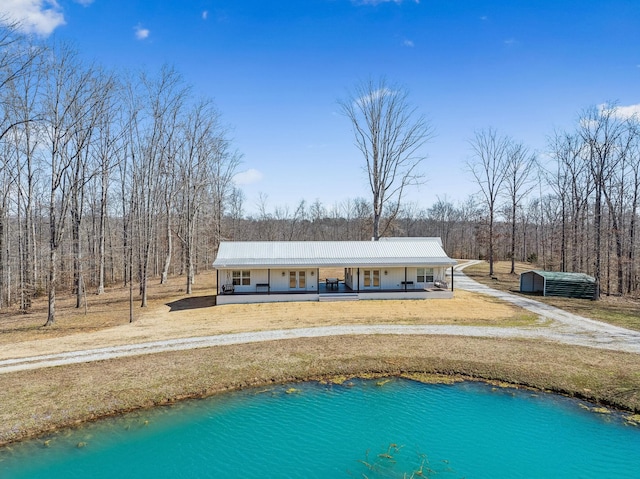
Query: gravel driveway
[[555, 325]]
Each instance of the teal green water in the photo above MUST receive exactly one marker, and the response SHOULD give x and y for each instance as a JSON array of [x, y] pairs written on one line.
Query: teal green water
[[467, 430]]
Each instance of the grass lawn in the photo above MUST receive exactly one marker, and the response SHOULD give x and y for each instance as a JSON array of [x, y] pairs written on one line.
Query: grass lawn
[[37, 401], [34, 402], [624, 312], [170, 314]]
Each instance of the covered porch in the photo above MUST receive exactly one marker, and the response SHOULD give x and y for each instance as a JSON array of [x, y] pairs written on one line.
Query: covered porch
[[332, 270], [331, 284]]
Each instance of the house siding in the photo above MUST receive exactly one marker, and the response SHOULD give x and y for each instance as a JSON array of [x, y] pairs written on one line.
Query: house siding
[[274, 266]]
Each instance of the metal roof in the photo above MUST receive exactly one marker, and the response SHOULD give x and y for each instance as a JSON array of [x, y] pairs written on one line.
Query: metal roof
[[563, 276], [412, 238], [284, 254]]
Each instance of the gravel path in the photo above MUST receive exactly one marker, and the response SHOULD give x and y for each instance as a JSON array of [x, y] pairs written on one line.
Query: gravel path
[[555, 325], [566, 327]]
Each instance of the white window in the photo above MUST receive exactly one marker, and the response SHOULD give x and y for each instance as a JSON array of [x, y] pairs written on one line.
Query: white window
[[425, 275], [241, 278]]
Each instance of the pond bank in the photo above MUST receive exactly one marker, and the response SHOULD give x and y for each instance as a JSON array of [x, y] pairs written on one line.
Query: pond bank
[[38, 401]]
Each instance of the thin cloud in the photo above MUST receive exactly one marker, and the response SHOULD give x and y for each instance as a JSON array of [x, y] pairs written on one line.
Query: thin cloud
[[84, 3], [408, 43], [41, 17], [374, 96], [627, 111], [141, 33], [510, 42], [205, 15], [248, 177]]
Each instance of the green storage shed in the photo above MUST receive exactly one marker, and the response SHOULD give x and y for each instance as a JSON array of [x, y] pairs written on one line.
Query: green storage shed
[[551, 283]]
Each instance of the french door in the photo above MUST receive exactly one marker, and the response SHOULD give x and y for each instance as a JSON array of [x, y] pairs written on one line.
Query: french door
[[371, 278], [297, 280]]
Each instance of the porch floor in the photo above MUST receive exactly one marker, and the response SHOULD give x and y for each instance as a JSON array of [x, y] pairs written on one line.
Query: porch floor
[[341, 288]]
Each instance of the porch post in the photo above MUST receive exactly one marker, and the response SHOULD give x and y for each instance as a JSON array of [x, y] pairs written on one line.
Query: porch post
[[405, 278], [269, 280], [217, 281], [358, 289], [452, 278]]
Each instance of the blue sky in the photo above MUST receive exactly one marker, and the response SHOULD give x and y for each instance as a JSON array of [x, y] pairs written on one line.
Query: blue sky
[[276, 68]]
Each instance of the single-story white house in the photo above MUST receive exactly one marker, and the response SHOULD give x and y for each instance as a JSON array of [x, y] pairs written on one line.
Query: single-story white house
[[270, 271]]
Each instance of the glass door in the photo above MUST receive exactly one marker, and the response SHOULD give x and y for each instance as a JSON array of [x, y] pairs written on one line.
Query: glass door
[[297, 280], [371, 278]]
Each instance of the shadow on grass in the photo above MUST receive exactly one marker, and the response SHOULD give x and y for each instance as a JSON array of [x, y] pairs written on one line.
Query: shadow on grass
[[195, 302]]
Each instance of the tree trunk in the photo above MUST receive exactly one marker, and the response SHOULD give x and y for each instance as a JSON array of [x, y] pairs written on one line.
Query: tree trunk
[[632, 233], [598, 238], [513, 238], [51, 313], [189, 265], [376, 221], [167, 260], [490, 241], [77, 252], [2, 256], [102, 231]]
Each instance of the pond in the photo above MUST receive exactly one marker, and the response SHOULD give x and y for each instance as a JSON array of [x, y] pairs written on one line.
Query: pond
[[364, 428]]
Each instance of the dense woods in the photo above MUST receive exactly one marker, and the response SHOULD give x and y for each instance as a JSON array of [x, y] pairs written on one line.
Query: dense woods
[[105, 179], [118, 179]]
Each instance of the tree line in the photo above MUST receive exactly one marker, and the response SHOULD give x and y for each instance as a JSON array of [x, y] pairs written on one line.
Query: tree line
[[573, 207], [117, 179], [102, 174]]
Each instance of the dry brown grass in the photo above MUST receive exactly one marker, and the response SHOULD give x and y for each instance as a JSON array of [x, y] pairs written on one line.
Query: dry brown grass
[[37, 401], [178, 317], [621, 311], [107, 310]]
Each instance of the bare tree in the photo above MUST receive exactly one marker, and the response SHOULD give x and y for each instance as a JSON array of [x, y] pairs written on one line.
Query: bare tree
[[634, 165], [601, 129], [491, 153], [17, 57], [19, 67], [567, 181], [390, 134], [155, 127], [519, 168], [443, 213], [7, 181], [109, 151], [205, 168], [25, 104], [236, 211], [87, 113], [223, 161], [65, 111], [63, 140]]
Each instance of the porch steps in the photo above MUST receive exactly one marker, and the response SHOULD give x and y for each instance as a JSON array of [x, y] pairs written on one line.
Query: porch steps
[[338, 297]]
